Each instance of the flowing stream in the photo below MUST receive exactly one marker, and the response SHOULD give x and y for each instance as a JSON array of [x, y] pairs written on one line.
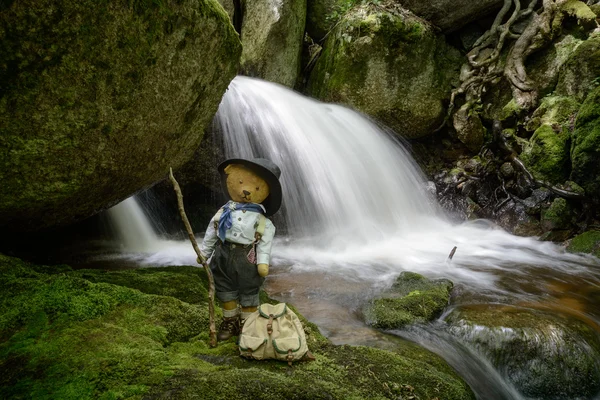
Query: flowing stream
[[357, 212]]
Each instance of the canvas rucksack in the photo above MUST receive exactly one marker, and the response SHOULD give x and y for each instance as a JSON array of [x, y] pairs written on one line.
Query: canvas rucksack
[[273, 332]]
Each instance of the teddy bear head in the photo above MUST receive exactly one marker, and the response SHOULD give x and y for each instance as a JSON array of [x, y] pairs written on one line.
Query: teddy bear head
[[244, 185]]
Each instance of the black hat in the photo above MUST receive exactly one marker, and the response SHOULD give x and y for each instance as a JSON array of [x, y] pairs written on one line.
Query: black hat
[[264, 168]]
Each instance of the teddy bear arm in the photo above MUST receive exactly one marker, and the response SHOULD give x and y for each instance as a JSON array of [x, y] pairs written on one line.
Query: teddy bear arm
[[264, 246], [210, 238]]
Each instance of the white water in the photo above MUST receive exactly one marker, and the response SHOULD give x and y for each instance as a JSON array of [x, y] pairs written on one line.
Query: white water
[[355, 202], [132, 227]]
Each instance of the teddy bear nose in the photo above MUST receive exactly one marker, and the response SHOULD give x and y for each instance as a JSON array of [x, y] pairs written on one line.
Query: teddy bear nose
[[247, 193]]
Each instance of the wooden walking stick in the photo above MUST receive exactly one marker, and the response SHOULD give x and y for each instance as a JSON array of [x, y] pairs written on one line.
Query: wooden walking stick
[[200, 260]]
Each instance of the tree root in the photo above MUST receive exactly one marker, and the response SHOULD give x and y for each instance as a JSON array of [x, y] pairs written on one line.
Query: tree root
[[520, 166], [484, 64]]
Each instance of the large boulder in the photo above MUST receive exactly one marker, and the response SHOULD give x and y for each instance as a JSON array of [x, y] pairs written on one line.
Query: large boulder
[[99, 99], [585, 146], [272, 33], [390, 65], [546, 356]]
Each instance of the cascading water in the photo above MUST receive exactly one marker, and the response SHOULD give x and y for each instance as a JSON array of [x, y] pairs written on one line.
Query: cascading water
[[357, 213], [132, 227]]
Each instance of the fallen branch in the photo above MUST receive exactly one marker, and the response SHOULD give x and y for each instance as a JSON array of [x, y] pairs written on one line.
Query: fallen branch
[[200, 260]]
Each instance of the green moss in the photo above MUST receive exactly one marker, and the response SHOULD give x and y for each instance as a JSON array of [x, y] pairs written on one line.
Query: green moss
[[82, 82], [364, 65], [587, 242], [579, 10], [578, 76], [511, 109], [585, 147], [547, 154], [184, 283], [413, 298], [560, 215], [128, 344]]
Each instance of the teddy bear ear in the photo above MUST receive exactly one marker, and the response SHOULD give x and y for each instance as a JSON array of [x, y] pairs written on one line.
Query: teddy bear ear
[[228, 169]]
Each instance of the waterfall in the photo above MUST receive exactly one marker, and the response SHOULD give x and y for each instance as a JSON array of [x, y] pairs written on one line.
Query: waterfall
[[343, 178], [354, 201], [132, 227]]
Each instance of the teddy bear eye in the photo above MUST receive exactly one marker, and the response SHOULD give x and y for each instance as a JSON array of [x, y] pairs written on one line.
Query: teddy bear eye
[[241, 181], [257, 188]]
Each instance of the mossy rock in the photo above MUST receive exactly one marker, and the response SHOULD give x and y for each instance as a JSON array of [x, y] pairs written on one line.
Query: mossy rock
[[272, 34], [587, 242], [390, 65], [559, 216], [547, 154], [66, 337], [412, 299], [579, 75], [99, 98], [322, 15], [546, 356], [585, 146]]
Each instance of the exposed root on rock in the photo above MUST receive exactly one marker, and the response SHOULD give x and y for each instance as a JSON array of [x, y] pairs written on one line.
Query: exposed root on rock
[[486, 67], [512, 155]]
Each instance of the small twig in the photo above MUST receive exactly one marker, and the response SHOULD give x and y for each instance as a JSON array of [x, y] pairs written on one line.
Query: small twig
[[452, 253], [200, 260]]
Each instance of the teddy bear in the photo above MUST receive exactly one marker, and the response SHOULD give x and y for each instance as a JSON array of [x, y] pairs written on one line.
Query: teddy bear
[[239, 238]]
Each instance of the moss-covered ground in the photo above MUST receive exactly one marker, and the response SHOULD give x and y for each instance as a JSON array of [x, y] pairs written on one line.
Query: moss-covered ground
[[87, 334]]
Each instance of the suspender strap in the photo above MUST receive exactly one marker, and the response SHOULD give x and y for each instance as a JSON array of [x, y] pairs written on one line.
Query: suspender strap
[[260, 230]]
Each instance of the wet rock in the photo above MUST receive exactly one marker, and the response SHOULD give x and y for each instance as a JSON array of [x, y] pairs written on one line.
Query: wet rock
[[514, 217], [585, 146], [559, 216], [587, 242], [98, 100], [412, 299], [507, 170], [390, 65], [272, 33], [546, 356]]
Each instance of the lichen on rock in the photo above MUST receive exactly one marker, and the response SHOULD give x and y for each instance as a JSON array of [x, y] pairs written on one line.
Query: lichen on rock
[[272, 33]]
